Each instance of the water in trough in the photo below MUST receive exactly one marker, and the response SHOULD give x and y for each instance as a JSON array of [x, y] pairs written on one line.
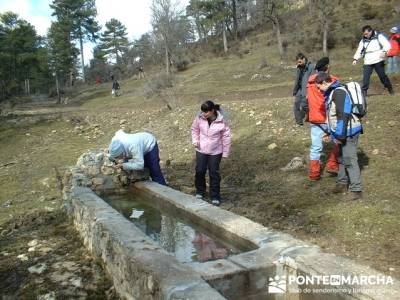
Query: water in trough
[[185, 241]]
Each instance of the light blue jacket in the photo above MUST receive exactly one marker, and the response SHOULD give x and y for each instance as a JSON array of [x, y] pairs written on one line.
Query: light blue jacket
[[136, 146]]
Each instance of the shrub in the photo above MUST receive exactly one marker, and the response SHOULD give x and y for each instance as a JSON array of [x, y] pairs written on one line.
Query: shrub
[[181, 65], [156, 84], [263, 64], [368, 12]]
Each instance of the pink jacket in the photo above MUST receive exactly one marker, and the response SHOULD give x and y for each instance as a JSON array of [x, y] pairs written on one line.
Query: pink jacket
[[211, 139]]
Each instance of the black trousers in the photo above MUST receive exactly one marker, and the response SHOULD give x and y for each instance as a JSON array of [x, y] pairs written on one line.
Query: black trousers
[[210, 162], [380, 70], [300, 107]]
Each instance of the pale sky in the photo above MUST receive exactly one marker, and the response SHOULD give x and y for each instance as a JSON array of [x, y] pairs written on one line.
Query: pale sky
[[134, 14]]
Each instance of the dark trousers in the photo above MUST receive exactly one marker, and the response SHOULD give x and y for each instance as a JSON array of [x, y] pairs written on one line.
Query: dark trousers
[[299, 108], [380, 70], [210, 162], [152, 161], [349, 170]]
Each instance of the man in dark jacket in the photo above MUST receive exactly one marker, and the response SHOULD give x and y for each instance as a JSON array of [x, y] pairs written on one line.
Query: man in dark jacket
[[304, 70], [115, 88]]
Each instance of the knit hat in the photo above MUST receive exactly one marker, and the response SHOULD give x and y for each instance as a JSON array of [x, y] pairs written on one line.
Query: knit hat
[[394, 29], [322, 63], [116, 148]]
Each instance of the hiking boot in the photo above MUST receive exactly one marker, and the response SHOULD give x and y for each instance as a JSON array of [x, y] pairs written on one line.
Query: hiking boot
[[391, 91], [339, 188], [215, 202], [332, 164], [354, 196], [314, 171], [199, 197], [332, 172], [312, 184]]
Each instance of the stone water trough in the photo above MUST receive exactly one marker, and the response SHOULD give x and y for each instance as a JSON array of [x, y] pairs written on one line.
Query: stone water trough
[[265, 264]]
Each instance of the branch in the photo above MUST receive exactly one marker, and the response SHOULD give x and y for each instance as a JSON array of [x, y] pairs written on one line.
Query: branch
[[8, 163]]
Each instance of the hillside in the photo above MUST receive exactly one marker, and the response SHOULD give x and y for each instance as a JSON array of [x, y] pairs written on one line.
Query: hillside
[[39, 141]]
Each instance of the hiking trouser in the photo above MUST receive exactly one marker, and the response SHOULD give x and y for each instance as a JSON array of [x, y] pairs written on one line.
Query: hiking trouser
[[380, 70], [317, 133], [300, 108], [392, 65], [349, 170], [152, 161], [210, 162]]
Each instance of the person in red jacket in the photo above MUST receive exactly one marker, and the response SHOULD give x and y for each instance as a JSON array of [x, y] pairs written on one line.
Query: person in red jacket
[[394, 52], [318, 126]]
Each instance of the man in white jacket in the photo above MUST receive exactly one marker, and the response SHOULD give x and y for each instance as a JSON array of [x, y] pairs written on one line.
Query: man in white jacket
[[373, 48], [140, 150]]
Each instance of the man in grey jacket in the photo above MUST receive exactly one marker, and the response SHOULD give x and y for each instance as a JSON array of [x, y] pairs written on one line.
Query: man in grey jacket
[[304, 70]]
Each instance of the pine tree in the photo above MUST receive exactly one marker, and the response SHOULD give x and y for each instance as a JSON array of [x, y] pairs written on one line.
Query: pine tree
[[79, 16], [19, 56], [62, 54], [113, 41]]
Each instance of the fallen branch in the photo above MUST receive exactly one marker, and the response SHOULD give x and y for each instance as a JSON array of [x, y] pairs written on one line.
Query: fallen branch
[[8, 163]]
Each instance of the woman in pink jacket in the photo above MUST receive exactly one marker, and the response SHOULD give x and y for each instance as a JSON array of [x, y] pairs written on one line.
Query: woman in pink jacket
[[211, 136]]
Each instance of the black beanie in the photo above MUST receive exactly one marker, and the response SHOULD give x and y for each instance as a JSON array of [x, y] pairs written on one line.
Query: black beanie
[[322, 63]]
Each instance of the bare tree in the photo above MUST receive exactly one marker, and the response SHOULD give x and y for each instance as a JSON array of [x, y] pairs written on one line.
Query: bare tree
[[170, 26], [325, 10], [272, 9], [235, 19]]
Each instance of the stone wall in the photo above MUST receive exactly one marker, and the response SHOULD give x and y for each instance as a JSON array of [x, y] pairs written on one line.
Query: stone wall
[[95, 170], [139, 268]]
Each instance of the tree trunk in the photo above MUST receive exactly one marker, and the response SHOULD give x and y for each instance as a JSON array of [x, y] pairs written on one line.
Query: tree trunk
[[167, 60], [225, 41], [117, 59], [205, 34], [71, 78], [198, 28], [27, 87], [82, 59], [235, 22], [325, 39], [58, 90], [278, 36], [199, 32]]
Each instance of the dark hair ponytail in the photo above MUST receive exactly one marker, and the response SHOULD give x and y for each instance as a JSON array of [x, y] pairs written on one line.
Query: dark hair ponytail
[[209, 106]]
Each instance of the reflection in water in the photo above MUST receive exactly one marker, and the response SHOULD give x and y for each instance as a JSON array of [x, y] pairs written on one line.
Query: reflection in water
[[185, 242]]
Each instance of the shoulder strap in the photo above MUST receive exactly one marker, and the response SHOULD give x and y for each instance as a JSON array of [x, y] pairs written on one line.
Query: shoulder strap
[[377, 37], [323, 129], [364, 49], [346, 88]]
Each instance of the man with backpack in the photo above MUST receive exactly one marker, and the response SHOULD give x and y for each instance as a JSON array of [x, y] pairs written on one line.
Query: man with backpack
[[373, 48], [344, 129], [304, 70]]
